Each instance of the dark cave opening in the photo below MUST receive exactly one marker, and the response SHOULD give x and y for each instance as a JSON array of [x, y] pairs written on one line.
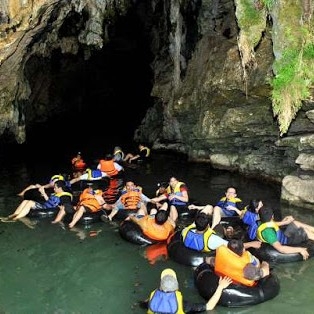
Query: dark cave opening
[[96, 103]]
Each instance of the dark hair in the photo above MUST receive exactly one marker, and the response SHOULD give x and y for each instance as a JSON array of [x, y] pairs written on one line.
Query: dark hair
[[252, 272], [161, 217], [162, 185], [253, 205], [236, 246], [201, 221], [266, 214], [60, 184], [108, 157]]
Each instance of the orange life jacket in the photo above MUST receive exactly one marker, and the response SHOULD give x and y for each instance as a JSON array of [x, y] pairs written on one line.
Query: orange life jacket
[[108, 167], [131, 199], [89, 200], [154, 231], [78, 164], [228, 263]]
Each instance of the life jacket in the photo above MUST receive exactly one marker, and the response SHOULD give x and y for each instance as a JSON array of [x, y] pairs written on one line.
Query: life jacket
[[251, 219], [271, 224], [108, 167], [56, 177], [154, 231], [130, 199], [78, 164], [89, 200], [196, 241], [147, 151], [119, 154], [165, 302], [224, 202], [228, 263], [96, 173], [176, 191], [54, 199]]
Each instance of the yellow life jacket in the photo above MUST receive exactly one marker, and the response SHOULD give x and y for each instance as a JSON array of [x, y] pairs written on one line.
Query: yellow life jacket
[[165, 302], [265, 225], [147, 151], [65, 194], [228, 263], [195, 240]]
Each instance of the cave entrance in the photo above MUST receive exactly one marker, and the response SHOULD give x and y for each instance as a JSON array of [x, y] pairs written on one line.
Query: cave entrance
[[96, 103]]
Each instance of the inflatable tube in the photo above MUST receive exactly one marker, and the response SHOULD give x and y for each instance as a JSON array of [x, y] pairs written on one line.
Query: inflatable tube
[[236, 295], [267, 253], [41, 213], [178, 252], [130, 231]]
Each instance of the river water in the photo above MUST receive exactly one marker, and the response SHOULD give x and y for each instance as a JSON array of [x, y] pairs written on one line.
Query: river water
[[47, 268]]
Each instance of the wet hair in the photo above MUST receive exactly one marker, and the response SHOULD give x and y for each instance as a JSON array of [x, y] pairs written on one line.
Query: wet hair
[[236, 246], [253, 205], [265, 214], [161, 217], [201, 221]]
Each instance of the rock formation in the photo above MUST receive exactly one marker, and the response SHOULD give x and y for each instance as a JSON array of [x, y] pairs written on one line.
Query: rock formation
[[211, 79]]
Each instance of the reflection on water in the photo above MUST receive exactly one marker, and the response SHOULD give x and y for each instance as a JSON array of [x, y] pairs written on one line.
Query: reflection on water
[[48, 268]]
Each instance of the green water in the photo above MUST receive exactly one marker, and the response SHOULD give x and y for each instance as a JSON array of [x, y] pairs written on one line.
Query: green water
[[50, 269]]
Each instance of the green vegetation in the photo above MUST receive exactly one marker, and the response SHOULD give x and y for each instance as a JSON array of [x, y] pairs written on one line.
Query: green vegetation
[[293, 80]]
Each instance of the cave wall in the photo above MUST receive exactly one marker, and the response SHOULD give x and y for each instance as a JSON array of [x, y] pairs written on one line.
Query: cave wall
[[211, 93], [219, 111]]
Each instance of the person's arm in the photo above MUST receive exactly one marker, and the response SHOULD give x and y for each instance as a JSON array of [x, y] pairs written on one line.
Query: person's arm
[[286, 249], [285, 221], [183, 198], [223, 283], [252, 244]]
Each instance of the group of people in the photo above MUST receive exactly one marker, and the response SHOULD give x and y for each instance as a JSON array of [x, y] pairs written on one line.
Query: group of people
[[232, 261]]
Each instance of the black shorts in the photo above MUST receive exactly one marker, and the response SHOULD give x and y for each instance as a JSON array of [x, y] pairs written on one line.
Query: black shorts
[[295, 235]]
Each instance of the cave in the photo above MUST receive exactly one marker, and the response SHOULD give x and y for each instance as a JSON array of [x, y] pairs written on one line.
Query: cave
[[94, 102]]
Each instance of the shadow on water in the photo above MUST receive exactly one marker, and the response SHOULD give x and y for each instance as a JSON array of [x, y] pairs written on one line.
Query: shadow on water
[[48, 268]]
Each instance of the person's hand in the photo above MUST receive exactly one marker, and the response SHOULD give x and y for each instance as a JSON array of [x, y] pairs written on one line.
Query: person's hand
[[192, 206], [288, 219], [224, 282], [304, 252], [265, 268], [255, 244], [230, 207]]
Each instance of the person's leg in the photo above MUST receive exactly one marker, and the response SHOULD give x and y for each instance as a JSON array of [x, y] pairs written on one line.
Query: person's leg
[[77, 216], [309, 230], [208, 209], [173, 214], [127, 157], [23, 209], [32, 186], [143, 208], [216, 216], [60, 215]]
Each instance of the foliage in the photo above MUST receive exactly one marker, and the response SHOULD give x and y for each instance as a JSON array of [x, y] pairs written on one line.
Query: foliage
[[268, 3], [292, 83]]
